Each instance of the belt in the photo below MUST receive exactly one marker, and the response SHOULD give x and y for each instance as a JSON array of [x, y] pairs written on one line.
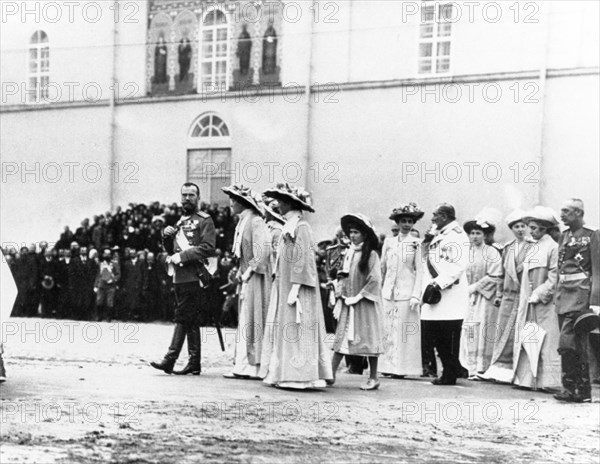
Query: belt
[[569, 277]]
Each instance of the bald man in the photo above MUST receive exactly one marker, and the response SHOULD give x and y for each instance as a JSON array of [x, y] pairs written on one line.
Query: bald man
[[577, 300]]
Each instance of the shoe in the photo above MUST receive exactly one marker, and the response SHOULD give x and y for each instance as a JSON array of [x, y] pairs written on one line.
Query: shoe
[[371, 384], [441, 381], [569, 397], [330, 382], [165, 366], [2, 371], [188, 370], [231, 375]]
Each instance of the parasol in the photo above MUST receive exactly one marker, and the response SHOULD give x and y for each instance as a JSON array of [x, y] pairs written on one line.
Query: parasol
[[531, 339]]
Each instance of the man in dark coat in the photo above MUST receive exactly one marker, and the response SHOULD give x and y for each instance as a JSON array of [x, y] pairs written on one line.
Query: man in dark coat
[[132, 284], [49, 280], [577, 300], [190, 244]]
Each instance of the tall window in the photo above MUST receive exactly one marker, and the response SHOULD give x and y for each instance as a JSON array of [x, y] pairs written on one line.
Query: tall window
[[209, 158], [214, 50], [39, 67], [434, 38]]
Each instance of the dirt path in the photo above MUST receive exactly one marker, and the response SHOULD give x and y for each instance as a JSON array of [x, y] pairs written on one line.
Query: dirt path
[[87, 400]]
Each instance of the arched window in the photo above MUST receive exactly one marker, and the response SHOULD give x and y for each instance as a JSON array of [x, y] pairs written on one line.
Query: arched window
[[209, 157], [214, 51], [39, 67]]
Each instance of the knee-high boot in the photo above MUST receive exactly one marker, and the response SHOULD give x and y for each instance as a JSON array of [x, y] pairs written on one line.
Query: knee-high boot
[[194, 351], [170, 358]]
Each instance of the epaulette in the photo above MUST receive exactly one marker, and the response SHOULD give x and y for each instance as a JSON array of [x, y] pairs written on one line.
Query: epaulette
[[458, 229], [203, 214], [331, 247]]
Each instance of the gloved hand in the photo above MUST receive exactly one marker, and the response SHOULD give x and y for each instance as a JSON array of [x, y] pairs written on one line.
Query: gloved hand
[[293, 296], [415, 304], [352, 300]]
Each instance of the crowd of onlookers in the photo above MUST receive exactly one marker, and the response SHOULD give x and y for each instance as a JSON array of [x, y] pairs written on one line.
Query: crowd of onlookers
[[62, 279]]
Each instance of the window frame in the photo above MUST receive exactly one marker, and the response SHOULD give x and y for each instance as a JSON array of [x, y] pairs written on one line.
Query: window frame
[[38, 80], [435, 40]]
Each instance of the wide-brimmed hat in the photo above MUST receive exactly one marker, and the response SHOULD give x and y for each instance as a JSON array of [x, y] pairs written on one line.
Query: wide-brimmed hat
[[542, 214], [270, 205], [363, 223], [245, 195], [484, 226], [158, 217], [517, 215], [411, 210], [292, 194]]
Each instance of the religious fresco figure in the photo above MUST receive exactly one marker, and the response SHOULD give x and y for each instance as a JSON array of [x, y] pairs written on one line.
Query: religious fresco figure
[[160, 60], [269, 56], [243, 50], [184, 51]]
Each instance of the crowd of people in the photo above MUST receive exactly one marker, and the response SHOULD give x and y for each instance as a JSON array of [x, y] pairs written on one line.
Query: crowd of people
[[113, 268], [523, 313]]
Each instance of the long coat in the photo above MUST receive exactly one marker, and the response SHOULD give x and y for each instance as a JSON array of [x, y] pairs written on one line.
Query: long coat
[[254, 294], [402, 271], [367, 336], [448, 253], [539, 277], [513, 257], [294, 347]]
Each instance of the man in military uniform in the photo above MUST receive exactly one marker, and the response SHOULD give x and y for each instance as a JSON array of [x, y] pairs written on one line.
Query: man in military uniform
[[189, 244], [445, 296], [577, 300]]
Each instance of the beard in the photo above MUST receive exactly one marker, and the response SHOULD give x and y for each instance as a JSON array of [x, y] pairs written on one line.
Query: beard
[[189, 207]]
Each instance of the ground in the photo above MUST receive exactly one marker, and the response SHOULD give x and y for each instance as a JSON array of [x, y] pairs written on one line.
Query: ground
[[83, 393]]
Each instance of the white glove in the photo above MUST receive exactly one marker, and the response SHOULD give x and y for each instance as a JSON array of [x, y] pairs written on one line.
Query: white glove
[[174, 259], [472, 289], [595, 310], [534, 298], [352, 300], [293, 296], [415, 304], [337, 310], [247, 274]]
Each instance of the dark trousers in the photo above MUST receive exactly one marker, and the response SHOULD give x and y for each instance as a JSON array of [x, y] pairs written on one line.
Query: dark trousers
[[572, 348], [444, 336]]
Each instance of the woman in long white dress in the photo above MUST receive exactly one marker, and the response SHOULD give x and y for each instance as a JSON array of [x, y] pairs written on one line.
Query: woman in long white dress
[[294, 353], [536, 304], [483, 276], [513, 257], [402, 271]]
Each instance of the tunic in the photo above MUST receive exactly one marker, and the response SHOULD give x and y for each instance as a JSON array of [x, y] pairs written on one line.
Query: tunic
[[294, 354], [513, 257], [539, 277], [360, 327], [479, 327], [255, 254], [402, 270]]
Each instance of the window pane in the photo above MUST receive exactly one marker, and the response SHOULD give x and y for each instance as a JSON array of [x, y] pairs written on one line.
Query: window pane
[[426, 31], [424, 66], [428, 13], [209, 20], [222, 33], [445, 13], [207, 35], [425, 49], [221, 19], [444, 29], [443, 65], [443, 49]]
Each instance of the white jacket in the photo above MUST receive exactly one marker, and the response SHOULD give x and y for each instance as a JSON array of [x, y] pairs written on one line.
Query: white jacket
[[448, 253]]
